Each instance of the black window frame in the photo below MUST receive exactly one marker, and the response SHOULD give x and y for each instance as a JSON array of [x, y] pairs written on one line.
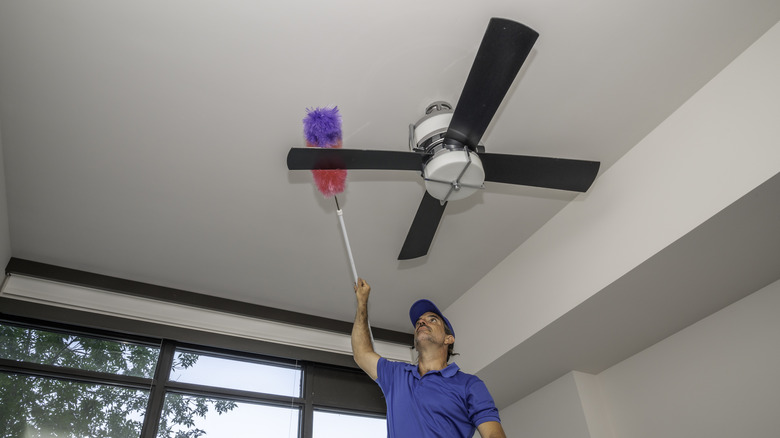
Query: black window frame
[[356, 395]]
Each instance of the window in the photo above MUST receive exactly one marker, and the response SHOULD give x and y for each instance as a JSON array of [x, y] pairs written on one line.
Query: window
[[69, 382], [30, 406], [234, 419], [227, 396], [341, 425], [77, 351], [258, 376]]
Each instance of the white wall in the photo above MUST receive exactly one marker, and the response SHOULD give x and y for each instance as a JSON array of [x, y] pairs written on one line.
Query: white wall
[[593, 406], [5, 234], [571, 407], [719, 378], [554, 411]]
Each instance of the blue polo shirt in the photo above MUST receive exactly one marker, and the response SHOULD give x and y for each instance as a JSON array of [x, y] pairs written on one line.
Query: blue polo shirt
[[441, 404]]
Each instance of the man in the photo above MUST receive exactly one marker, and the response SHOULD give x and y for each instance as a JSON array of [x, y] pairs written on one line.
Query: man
[[432, 398]]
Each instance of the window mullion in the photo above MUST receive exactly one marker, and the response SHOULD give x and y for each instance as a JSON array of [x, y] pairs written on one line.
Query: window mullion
[[307, 420], [157, 393], [73, 374], [233, 394]]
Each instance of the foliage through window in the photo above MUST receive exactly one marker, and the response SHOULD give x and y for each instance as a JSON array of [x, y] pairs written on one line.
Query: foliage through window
[[236, 419], [45, 407], [75, 351]]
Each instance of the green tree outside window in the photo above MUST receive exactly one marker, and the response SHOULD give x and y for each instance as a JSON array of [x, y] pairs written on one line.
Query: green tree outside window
[[42, 407]]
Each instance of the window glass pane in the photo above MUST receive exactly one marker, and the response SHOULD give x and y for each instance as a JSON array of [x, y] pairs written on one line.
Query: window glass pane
[[336, 425], [43, 407], [185, 416], [201, 369], [75, 351]]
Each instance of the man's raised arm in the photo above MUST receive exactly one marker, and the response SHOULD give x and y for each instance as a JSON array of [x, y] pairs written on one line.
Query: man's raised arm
[[362, 349]]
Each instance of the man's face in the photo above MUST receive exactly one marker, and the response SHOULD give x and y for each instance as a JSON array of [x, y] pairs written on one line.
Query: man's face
[[430, 328]]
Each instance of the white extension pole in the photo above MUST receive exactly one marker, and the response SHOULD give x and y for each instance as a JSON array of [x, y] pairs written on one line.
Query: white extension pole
[[340, 214], [346, 242]]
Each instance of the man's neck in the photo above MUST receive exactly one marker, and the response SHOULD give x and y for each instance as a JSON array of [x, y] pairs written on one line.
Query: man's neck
[[432, 361]]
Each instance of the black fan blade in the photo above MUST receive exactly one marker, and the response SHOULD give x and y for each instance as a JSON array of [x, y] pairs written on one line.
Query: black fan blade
[[503, 50], [552, 173], [321, 158], [423, 228]]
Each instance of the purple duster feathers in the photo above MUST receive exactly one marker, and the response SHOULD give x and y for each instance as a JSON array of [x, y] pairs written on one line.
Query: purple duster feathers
[[322, 127]]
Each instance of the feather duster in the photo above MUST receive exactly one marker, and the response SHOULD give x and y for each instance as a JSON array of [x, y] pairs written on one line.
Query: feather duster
[[322, 128]]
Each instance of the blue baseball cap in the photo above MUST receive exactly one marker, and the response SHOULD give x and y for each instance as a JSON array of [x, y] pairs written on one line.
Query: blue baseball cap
[[421, 307]]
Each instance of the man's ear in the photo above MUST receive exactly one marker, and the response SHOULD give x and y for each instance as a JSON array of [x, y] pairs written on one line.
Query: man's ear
[[449, 339]]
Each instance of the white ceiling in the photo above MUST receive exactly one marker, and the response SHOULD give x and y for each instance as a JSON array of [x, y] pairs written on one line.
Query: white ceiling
[[147, 140]]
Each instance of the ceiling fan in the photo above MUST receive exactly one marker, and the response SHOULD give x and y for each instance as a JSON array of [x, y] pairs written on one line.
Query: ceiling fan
[[444, 144]]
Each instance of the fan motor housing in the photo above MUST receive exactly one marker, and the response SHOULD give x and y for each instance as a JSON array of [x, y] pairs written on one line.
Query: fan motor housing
[[454, 171], [452, 175]]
